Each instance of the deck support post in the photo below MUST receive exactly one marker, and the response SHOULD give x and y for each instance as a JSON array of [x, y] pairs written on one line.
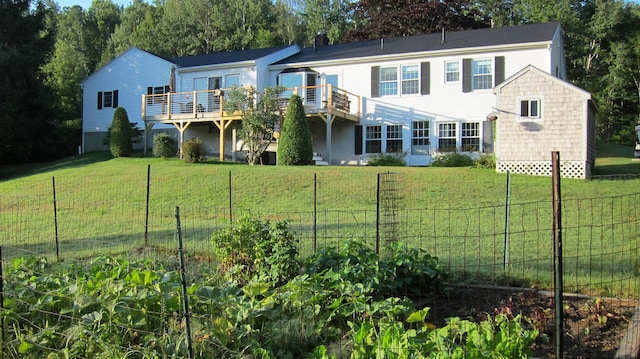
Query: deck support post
[[147, 128], [329, 121], [222, 127]]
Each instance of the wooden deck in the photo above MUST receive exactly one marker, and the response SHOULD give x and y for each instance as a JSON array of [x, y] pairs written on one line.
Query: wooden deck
[[182, 109], [205, 106]]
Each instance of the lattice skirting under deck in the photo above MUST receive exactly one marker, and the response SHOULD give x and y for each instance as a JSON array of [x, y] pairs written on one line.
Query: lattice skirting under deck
[[568, 169]]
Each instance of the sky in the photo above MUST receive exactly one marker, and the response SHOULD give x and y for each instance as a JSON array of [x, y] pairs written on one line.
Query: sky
[[87, 3]]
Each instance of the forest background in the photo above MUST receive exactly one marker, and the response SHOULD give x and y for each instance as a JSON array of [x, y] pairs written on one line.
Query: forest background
[[46, 51]]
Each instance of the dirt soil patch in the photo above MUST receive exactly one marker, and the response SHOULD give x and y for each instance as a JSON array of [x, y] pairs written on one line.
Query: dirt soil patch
[[593, 327]]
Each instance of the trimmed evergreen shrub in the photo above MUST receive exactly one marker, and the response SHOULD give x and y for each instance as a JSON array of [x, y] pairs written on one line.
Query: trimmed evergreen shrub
[[452, 159], [120, 143], [294, 144], [163, 145], [192, 150]]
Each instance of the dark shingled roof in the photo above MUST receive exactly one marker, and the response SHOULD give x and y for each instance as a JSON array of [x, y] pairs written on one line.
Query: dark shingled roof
[[430, 42], [223, 57]]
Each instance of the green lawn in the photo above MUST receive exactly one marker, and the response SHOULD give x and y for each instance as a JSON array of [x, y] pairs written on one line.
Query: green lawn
[[457, 214]]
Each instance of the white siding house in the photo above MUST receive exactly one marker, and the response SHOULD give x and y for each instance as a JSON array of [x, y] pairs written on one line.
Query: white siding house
[[423, 95], [419, 96], [125, 80], [120, 83]]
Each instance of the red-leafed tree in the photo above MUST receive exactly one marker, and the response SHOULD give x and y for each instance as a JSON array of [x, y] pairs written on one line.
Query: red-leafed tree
[[390, 18]]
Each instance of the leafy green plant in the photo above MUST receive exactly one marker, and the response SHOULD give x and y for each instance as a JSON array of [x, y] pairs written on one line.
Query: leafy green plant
[[452, 159], [192, 150], [486, 160], [403, 271], [388, 159], [250, 248], [163, 145], [411, 272], [120, 143]]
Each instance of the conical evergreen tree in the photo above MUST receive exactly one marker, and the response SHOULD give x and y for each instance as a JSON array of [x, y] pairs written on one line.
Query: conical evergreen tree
[[294, 144], [121, 143]]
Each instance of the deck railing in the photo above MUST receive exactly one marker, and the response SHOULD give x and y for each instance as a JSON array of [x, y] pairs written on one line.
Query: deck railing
[[197, 104]]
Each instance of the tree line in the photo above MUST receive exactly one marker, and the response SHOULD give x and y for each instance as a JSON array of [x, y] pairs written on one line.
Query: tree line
[[46, 51]]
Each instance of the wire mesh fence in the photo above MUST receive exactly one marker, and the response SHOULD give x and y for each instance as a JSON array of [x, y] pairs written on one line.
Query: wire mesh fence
[[494, 240]]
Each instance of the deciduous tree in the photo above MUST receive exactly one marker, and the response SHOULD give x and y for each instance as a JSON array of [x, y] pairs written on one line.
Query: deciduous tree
[[261, 115], [26, 112], [388, 18]]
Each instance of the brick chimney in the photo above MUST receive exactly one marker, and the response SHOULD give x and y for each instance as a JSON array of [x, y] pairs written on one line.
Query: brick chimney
[[320, 40]]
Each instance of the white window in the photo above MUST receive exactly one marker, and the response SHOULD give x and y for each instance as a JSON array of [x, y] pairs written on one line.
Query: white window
[[420, 138], [447, 137], [290, 81], [482, 74], [410, 80], [373, 139], [452, 71], [232, 80], [157, 91], [470, 136], [530, 108], [394, 138], [108, 99], [388, 81]]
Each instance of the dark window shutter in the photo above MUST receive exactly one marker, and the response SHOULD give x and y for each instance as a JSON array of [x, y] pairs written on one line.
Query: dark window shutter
[[499, 70], [100, 100], [466, 75], [149, 93], [167, 89], [358, 140], [425, 78], [375, 81], [487, 136], [115, 98]]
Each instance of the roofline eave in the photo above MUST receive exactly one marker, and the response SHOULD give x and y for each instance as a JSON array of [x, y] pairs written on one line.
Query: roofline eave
[[417, 55], [224, 66]]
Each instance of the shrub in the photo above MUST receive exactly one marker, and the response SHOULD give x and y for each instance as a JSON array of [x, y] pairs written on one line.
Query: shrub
[[294, 144], [120, 143], [403, 271], [486, 161], [136, 134], [192, 150], [163, 145], [452, 159], [254, 249], [388, 159]]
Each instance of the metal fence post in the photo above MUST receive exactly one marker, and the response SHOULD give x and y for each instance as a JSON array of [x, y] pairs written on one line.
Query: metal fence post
[[1, 304], [557, 253], [506, 223], [315, 212], [183, 279], [55, 218], [378, 216], [230, 200], [146, 216]]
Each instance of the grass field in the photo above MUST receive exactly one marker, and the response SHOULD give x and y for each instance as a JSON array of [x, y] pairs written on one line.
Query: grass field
[[457, 214]]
